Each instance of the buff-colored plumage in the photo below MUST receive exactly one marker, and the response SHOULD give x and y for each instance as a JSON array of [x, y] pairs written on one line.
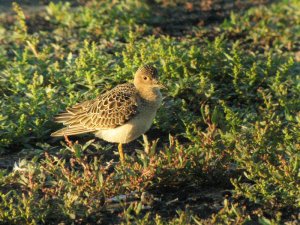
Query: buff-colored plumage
[[112, 109], [119, 115]]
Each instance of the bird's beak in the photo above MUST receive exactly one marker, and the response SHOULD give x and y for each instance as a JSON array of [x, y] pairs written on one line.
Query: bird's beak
[[159, 85]]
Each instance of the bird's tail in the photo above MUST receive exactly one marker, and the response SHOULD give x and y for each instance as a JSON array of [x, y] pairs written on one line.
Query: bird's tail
[[68, 131]]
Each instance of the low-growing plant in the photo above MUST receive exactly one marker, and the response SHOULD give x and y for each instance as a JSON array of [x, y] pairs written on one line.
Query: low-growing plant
[[231, 113]]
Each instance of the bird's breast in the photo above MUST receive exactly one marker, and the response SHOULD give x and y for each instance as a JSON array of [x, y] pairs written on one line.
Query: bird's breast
[[129, 131], [138, 125]]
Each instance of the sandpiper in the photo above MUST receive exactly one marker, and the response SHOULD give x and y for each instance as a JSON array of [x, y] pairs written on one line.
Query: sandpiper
[[120, 115]]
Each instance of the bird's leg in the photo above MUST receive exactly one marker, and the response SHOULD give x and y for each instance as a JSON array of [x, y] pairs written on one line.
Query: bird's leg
[[67, 140], [121, 153]]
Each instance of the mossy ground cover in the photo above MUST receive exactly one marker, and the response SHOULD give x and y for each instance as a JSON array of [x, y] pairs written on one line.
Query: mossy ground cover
[[224, 147]]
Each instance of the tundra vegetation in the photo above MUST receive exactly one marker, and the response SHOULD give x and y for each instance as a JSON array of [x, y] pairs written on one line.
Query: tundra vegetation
[[224, 147]]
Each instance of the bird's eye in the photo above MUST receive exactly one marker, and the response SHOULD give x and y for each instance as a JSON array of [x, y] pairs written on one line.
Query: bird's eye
[[145, 78]]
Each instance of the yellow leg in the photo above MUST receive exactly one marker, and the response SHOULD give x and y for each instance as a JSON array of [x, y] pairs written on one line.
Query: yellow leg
[[121, 153]]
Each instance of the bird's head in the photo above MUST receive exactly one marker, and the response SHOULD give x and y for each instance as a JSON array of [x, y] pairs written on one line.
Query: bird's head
[[147, 76]]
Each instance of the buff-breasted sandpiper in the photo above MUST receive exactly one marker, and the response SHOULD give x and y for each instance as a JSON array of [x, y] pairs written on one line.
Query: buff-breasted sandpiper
[[120, 115]]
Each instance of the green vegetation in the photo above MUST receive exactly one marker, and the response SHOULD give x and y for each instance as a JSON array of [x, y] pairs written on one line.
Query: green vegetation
[[229, 125]]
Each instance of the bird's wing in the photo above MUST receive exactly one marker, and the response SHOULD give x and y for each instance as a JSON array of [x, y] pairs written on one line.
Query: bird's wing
[[110, 110]]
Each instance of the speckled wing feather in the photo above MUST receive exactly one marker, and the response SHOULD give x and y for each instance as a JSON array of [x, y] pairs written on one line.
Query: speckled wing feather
[[109, 110]]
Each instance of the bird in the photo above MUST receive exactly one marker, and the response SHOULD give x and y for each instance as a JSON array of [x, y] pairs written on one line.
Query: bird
[[119, 115]]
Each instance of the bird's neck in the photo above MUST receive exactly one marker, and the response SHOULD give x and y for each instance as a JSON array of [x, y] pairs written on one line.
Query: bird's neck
[[151, 95]]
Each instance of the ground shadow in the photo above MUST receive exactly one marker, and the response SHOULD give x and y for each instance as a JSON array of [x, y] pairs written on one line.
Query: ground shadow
[[178, 19]]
